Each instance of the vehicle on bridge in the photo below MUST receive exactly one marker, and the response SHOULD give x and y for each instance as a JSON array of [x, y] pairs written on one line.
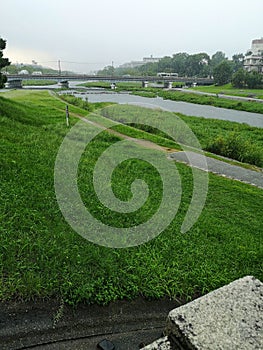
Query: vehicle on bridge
[[163, 74]]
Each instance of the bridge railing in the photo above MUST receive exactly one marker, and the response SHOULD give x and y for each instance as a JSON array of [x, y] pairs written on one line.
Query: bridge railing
[[85, 77]]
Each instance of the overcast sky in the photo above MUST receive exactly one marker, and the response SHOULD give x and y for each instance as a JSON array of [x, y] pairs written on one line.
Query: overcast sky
[[93, 33]]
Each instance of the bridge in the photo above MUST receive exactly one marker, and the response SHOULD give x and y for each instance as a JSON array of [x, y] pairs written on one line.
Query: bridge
[[85, 77], [15, 80]]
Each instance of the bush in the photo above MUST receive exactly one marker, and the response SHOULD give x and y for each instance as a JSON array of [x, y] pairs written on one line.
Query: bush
[[77, 101], [244, 79], [235, 147]]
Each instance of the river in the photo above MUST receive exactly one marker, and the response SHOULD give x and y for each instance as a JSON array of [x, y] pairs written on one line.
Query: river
[[190, 109]]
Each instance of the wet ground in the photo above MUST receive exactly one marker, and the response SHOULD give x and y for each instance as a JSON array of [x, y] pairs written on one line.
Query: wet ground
[[51, 325]]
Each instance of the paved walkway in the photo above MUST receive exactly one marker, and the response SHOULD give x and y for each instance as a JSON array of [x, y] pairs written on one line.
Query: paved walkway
[[222, 95], [221, 168]]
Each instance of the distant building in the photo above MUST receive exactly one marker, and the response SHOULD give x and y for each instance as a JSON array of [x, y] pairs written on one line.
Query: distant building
[[145, 60], [254, 57], [151, 59]]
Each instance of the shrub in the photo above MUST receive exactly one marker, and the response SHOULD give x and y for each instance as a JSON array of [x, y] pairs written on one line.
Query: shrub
[[77, 101], [235, 147]]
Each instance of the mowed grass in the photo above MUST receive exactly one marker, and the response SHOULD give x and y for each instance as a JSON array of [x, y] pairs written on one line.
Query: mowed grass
[[41, 256]]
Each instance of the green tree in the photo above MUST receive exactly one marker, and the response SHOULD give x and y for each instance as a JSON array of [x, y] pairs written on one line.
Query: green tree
[[251, 80], [239, 78], [165, 64], [196, 64], [217, 58], [238, 60], [150, 68], [4, 62], [223, 73], [254, 80], [107, 71], [179, 63]]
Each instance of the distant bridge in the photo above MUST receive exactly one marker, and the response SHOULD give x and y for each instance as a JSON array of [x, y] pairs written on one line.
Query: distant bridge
[[84, 77]]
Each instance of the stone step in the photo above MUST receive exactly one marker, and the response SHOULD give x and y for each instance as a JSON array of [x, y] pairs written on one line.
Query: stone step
[[229, 318]]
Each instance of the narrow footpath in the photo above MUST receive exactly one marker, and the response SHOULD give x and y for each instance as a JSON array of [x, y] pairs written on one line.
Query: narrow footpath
[[221, 168], [214, 166]]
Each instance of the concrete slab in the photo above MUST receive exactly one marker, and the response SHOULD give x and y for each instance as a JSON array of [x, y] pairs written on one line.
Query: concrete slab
[[160, 344], [229, 318]]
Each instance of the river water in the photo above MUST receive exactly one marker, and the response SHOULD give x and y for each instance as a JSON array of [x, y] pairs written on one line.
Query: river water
[[190, 109]]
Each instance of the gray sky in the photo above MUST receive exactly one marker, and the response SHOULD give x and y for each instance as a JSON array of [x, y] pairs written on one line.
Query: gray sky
[[93, 33]]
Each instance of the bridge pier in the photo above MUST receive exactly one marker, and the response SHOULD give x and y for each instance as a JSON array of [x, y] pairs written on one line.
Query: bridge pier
[[14, 84], [64, 84], [145, 84], [168, 84]]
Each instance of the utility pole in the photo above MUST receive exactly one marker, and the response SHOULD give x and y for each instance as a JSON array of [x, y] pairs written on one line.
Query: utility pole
[[67, 116], [59, 68]]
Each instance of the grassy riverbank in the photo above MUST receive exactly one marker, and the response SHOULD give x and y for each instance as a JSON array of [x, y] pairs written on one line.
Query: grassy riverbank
[[247, 106], [41, 256], [128, 86], [237, 141], [228, 89], [38, 82]]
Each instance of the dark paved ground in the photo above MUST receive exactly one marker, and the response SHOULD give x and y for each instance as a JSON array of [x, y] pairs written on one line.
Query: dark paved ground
[[48, 325], [222, 168]]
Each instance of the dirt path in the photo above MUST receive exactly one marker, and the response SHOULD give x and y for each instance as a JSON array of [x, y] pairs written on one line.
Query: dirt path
[[141, 142], [215, 166]]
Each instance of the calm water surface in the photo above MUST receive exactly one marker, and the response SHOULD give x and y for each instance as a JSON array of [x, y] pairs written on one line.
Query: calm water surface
[[191, 109]]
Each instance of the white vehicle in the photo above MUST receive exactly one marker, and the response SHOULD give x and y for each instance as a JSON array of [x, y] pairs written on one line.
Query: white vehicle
[[37, 73], [163, 74], [23, 71]]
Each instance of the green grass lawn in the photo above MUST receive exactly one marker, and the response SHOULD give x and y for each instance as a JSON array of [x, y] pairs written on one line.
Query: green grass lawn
[[228, 89], [41, 256]]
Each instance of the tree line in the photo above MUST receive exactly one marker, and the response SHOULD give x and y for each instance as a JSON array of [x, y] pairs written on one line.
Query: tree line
[[3, 61], [200, 65]]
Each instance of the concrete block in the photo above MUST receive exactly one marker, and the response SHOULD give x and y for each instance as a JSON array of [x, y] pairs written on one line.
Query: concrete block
[[229, 318], [160, 344]]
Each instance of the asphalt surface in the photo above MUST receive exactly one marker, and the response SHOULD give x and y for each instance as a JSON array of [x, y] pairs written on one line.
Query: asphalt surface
[[47, 325], [221, 168]]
